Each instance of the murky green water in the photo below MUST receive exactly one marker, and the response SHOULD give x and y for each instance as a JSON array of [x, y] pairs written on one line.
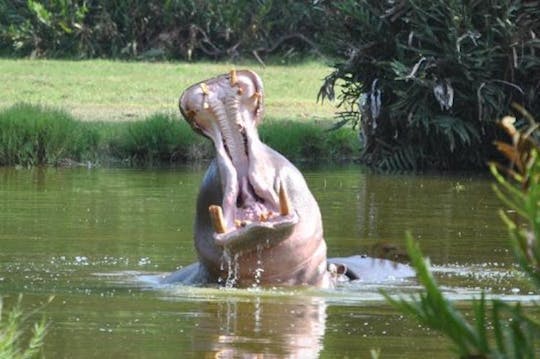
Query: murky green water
[[86, 237]]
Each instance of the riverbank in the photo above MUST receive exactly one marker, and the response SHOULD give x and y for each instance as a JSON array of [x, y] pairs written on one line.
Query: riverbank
[[35, 135], [68, 113]]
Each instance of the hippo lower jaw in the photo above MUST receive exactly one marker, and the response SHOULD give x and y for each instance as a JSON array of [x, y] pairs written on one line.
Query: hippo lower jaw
[[257, 234]]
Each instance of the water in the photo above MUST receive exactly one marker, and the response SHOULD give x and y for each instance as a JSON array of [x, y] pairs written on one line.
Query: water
[[89, 237]]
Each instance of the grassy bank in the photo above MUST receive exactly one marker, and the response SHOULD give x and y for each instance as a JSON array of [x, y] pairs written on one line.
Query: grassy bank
[[103, 111], [33, 135], [104, 90]]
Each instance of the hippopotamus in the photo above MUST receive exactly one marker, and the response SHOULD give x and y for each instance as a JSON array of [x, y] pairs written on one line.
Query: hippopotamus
[[257, 222]]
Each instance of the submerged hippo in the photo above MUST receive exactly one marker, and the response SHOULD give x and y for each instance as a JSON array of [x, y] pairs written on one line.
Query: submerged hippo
[[257, 221]]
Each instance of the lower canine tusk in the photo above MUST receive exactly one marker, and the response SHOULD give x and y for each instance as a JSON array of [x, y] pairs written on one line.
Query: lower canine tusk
[[216, 217], [284, 203]]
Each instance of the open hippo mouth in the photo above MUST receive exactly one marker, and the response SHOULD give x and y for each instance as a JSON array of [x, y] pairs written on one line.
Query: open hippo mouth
[[255, 208]]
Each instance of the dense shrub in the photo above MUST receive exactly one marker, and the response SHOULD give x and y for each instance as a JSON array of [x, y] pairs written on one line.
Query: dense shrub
[[156, 140], [181, 29], [33, 135], [425, 80], [309, 141]]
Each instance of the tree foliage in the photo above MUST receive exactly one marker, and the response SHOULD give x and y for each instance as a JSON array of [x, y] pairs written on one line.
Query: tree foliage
[[425, 80], [181, 29]]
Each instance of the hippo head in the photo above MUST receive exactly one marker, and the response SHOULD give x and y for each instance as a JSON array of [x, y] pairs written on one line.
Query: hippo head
[[252, 199]]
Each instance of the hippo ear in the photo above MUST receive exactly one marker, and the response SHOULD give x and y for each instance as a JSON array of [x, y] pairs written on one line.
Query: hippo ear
[[337, 268]]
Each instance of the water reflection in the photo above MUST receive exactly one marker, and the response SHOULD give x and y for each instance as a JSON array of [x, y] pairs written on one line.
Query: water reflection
[[258, 328], [454, 217]]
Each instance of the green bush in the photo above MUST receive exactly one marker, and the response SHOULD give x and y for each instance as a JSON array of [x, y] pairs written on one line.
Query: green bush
[[424, 80], [308, 141], [34, 135], [158, 139]]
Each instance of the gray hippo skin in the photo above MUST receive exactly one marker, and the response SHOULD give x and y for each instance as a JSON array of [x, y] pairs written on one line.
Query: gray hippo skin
[[257, 222]]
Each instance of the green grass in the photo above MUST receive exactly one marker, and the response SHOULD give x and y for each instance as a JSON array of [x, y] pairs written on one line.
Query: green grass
[[103, 111], [32, 135], [105, 90]]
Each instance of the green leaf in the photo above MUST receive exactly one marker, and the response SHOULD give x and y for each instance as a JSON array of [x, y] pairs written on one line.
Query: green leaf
[[39, 10]]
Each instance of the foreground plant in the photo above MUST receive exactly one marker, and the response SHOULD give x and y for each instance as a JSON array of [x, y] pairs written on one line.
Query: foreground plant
[[515, 332], [15, 341]]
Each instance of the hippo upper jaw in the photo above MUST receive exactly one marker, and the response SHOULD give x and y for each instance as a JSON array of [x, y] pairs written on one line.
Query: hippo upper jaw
[[227, 109]]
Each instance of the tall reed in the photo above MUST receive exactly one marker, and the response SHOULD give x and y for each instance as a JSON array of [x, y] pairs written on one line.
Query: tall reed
[[13, 332]]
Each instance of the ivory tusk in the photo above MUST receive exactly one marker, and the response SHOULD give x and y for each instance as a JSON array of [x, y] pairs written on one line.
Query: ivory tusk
[[206, 92], [204, 89], [232, 77], [284, 203], [216, 217]]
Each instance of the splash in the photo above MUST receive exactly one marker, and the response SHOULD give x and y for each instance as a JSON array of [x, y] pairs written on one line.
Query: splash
[[232, 266], [259, 270]]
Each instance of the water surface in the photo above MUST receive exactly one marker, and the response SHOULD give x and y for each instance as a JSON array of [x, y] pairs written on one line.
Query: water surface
[[87, 236]]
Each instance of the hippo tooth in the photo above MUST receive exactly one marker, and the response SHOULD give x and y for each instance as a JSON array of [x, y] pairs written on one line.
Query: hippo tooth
[[256, 96], [216, 216], [241, 224], [233, 78], [204, 89], [206, 92], [284, 203]]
